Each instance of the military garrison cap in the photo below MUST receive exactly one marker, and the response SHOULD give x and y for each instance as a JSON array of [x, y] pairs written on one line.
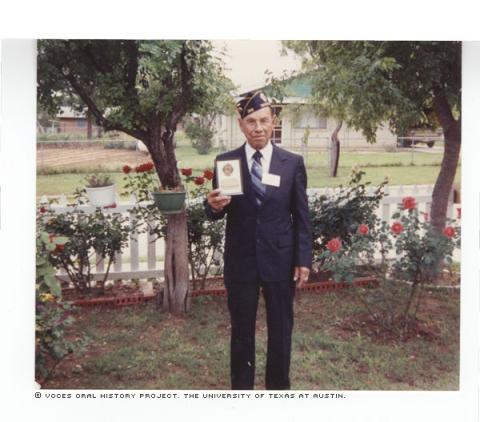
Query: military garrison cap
[[252, 102]]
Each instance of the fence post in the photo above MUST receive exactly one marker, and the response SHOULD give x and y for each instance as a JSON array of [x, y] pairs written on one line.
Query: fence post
[[134, 261]]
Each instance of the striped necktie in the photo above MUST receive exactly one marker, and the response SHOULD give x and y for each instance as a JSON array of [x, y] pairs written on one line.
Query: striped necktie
[[257, 184]]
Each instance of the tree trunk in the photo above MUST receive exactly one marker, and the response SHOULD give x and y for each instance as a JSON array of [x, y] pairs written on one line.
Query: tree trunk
[[335, 150], [443, 185], [175, 293], [176, 274]]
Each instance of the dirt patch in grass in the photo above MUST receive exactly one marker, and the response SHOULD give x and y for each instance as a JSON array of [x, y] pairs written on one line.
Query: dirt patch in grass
[[88, 158], [365, 324], [425, 326]]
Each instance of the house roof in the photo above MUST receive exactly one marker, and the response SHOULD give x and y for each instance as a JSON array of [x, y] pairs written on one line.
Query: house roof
[[68, 112]]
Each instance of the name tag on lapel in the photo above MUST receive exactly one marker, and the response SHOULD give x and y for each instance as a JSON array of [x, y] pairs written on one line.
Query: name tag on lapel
[[271, 179]]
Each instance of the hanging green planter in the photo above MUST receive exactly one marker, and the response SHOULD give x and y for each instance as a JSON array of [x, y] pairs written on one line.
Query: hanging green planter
[[169, 202]]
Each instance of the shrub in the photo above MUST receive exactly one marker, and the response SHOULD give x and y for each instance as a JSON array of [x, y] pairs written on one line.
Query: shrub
[[339, 215], [205, 237], [201, 132], [419, 256], [390, 148], [61, 136], [52, 316], [128, 145], [88, 234]]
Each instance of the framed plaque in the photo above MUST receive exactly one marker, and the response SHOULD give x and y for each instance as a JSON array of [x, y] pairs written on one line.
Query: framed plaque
[[229, 177]]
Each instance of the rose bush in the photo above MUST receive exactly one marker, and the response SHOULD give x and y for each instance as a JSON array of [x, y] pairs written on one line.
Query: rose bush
[[205, 237], [88, 234], [410, 255], [340, 215], [140, 181]]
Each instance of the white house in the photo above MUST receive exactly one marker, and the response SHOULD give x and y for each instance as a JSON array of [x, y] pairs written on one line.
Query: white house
[[292, 132]]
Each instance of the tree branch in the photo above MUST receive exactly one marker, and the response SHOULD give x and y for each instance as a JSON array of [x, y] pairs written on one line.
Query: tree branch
[[132, 65], [186, 84], [97, 65], [106, 123]]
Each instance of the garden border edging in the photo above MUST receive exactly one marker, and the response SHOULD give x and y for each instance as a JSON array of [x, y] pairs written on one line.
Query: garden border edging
[[140, 298]]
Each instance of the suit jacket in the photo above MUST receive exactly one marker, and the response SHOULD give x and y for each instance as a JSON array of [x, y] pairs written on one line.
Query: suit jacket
[[267, 241]]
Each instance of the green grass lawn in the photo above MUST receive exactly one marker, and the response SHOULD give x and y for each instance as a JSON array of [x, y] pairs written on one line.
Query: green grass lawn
[[142, 348], [397, 166]]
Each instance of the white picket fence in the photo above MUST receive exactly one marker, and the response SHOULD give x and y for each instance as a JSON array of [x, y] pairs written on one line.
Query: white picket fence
[[143, 257]]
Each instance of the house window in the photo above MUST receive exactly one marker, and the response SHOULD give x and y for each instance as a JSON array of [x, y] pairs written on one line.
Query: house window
[[81, 123], [312, 121], [277, 129]]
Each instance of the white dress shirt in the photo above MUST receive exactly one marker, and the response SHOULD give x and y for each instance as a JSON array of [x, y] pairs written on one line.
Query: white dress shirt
[[266, 152]]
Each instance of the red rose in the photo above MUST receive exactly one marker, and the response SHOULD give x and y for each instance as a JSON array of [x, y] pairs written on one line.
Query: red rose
[[334, 244], [144, 167], [409, 203], [449, 231], [397, 228], [126, 169], [43, 210], [199, 180], [186, 172], [459, 213], [59, 248], [362, 229], [208, 174]]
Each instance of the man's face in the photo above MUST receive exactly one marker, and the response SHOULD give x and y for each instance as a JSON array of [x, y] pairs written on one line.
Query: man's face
[[257, 127]]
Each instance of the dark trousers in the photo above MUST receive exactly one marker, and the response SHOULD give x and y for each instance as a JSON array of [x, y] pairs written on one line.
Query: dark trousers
[[242, 304]]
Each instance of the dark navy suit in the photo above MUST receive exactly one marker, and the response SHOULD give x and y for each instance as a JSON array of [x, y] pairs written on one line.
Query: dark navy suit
[[263, 244]]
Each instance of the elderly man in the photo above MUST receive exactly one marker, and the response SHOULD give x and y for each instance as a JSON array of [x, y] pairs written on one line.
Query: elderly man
[[268, 243]]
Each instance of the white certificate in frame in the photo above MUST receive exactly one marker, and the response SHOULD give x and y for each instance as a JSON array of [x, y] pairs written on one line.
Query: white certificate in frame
[[229, 177]]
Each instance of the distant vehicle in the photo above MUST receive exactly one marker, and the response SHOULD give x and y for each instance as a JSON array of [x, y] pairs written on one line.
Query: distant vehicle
[[406, 142], [420, 137]]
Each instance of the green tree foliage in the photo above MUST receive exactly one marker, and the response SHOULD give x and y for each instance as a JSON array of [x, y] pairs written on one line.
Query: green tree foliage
[[131, 86], [406, 84], [144, 89]]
